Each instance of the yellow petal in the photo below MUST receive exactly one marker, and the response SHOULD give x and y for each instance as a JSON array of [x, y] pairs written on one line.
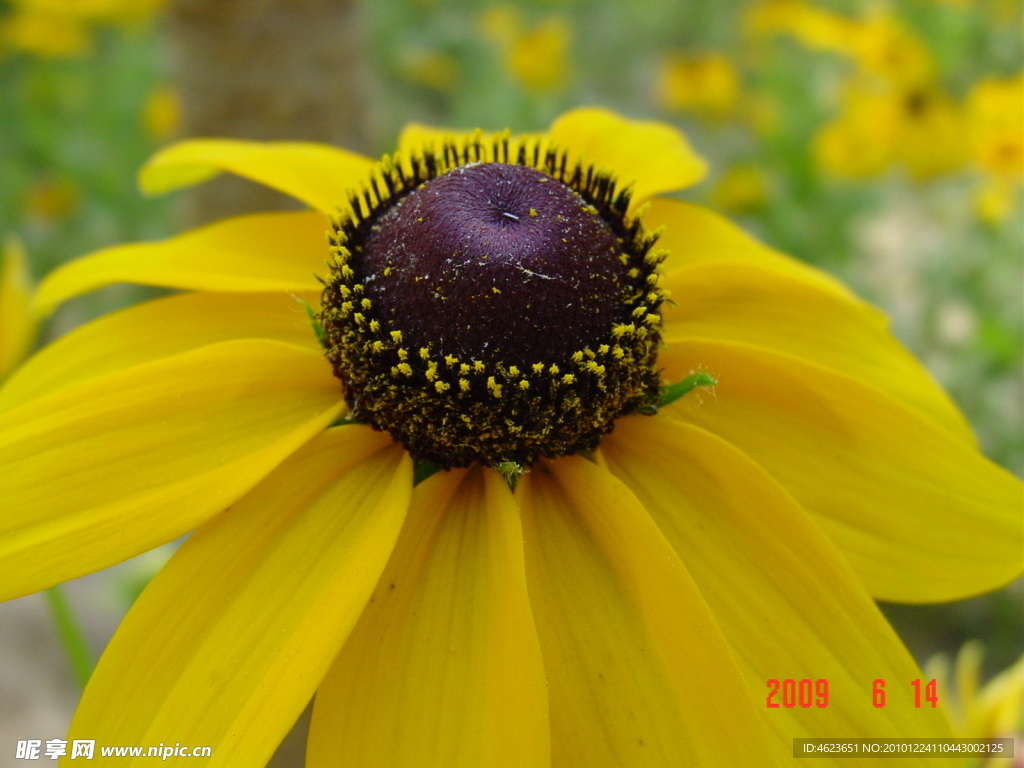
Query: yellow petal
[[156, 329], [653, 157], [317, 174], [921, 516], [228, 643], [261, 252], [693, 235], [111, 467], [787, 602], [17, 322], [749, 303], [639, 673], [443, 668]]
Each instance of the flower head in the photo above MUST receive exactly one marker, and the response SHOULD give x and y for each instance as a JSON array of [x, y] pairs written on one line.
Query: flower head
[[60, 28], [706, 84], [493, 303], [626, 603], [995, 119], [887, 124], [535, 56]]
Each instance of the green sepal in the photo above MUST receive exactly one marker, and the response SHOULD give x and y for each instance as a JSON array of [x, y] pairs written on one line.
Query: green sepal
[[672, 392], [422, 469], [314, 321], [511, 472], [346, 419]]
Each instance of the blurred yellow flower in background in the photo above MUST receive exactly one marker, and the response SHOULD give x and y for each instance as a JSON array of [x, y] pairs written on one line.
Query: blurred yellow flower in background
[[161, 113], [742, 188], [859, 142], [994, 199], [892, 110], [931, 138], [17, 320], [107, 11], [810, 25], [44, 34], [52, 199], [878, 43], [995, 127], [919, 129], [992, 711], [536, 56], [430, 68], [705, 84], [60, 28], [882, 45]]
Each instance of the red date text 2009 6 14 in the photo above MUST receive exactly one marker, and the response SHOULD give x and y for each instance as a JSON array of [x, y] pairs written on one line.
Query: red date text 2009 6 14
[[814, 693]]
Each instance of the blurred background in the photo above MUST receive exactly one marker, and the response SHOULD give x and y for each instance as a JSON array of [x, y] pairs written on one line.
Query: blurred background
[[882, 141]]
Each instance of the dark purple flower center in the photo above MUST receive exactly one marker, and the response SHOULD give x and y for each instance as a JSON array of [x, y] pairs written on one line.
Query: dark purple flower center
[[496, 262]]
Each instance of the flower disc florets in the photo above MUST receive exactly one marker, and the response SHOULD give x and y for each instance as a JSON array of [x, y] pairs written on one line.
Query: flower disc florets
[[492, 304]]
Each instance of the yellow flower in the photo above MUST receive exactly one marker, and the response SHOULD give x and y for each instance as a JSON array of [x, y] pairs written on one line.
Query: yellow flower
[[810, 25], [878, 44], [535, 57], [501, 24], [860, 141], [893, 112], [705, 84], [883, 46], [44, 34], [995, 121], [994, 711], [108, 11], [52, 198], [433, 69], [161, 113], [878, 127], [994, 199], [742, 188], [995, 131], [60, 28], [17, 321], [623, 606]]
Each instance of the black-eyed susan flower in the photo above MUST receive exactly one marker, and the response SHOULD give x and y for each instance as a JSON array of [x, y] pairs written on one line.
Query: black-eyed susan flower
[[491, 302]]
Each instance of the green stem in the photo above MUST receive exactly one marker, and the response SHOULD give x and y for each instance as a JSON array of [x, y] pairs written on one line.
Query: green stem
[[71, 635]]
